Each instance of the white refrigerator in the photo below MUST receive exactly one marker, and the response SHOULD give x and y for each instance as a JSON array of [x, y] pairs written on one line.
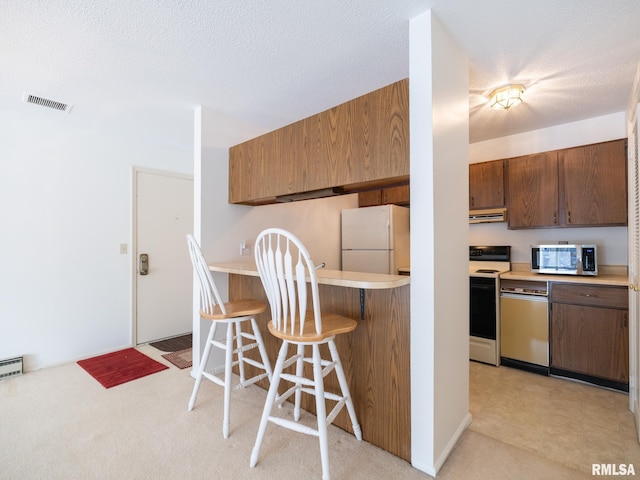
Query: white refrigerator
[[375, 239]]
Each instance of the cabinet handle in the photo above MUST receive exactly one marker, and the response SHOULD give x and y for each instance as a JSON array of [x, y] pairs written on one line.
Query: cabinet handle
[[588, 295], [473, 201], [555, 218], [624, 321], [569, 216]]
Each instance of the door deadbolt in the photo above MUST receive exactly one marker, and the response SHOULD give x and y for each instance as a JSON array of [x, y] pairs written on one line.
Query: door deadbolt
[[144, 264]]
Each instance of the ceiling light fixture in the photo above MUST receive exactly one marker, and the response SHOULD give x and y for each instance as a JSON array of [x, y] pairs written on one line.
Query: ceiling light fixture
[[506, 97]]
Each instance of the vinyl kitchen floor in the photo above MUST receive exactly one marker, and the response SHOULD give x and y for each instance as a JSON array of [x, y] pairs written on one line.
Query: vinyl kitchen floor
[[569, 422]]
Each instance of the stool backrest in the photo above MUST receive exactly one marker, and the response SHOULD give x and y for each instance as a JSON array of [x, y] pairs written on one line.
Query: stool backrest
[[209, 296], [286, 270]]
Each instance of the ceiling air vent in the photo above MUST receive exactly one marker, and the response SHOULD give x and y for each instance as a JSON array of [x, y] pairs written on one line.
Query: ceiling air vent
[[45, 102]]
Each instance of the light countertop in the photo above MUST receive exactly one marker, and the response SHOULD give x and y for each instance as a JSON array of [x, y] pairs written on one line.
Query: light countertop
[[602, 279], [325, 276]]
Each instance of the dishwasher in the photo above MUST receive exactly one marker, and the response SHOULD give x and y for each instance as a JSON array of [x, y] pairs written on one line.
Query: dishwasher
[[524, 325]]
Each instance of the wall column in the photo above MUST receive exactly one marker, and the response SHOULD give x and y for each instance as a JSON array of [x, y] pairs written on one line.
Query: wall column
[[439, 112]]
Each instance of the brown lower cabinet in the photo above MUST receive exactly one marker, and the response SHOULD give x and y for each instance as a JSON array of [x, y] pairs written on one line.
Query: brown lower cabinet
[[375, 358], [589, 333]]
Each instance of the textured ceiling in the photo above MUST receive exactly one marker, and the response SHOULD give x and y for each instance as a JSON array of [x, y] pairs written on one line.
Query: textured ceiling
[[142, 66]]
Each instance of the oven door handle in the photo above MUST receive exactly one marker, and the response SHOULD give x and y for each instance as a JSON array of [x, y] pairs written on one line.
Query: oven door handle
[[482, 287], [525, 297]]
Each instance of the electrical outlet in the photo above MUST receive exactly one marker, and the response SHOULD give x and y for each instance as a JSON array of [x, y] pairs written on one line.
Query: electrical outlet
[[123, 248], [245, 248]]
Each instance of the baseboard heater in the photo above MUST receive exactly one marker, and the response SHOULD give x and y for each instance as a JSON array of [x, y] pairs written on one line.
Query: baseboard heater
[[10, 367]]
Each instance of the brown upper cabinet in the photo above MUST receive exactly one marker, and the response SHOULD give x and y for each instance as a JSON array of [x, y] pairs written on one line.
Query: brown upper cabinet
[[358, 145], [486, 185], [397, 195], [574, 187], [595, 184], [532, 200]]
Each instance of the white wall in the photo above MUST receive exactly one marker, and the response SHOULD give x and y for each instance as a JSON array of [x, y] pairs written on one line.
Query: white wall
[[65, 207], [593, 130], [439, 105], [612, 241]]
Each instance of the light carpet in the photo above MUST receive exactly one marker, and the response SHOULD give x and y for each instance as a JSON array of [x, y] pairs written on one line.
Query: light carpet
[[58, 423]]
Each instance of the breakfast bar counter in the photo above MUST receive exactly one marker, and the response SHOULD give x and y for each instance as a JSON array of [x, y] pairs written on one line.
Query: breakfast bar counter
[[338, 278], [375, 356]]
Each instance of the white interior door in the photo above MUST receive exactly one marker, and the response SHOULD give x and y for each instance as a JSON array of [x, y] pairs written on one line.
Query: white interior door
[[163, 217]]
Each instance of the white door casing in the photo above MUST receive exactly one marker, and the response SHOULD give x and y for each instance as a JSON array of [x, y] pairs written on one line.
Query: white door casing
[[634, 267], [633, 234], [162, 217]]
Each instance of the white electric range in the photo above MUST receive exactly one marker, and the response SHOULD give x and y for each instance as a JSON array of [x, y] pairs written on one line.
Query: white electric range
[[486, 263]]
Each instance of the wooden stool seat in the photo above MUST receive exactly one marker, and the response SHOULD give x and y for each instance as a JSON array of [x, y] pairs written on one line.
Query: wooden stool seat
[[237, 308], [332, 325]]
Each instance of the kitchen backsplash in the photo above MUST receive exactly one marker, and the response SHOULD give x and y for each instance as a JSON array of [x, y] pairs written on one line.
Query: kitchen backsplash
[[611, 241]]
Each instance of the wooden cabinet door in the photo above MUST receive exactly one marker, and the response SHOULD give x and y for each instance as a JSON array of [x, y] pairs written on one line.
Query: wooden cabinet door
[[250, 170], [380, 131], [370, 198], [595, 184], [533, 191], [486, 185], [591, 341], [398, 195]]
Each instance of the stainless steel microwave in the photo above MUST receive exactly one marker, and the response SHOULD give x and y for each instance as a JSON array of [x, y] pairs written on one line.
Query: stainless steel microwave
[[565, 259]]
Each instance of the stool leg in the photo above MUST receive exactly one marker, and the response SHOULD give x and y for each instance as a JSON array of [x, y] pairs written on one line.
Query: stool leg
[[299, 371], [268, 404], [227, 379], [321, 411], [202, 366], [239, 345], [344, 386], [262, 349]]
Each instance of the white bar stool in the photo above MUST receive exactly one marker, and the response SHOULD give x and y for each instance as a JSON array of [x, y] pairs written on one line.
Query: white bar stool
[[286, 286], [232, 315]]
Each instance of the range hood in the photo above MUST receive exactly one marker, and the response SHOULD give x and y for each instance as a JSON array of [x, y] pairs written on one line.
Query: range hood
[[488, 216], [295, 197]]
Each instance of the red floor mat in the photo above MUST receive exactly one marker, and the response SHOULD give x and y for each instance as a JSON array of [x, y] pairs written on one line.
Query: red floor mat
[[120, 367]]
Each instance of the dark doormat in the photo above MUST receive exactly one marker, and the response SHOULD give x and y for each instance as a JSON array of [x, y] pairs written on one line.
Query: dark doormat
[[181, 359], [174, 344]]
